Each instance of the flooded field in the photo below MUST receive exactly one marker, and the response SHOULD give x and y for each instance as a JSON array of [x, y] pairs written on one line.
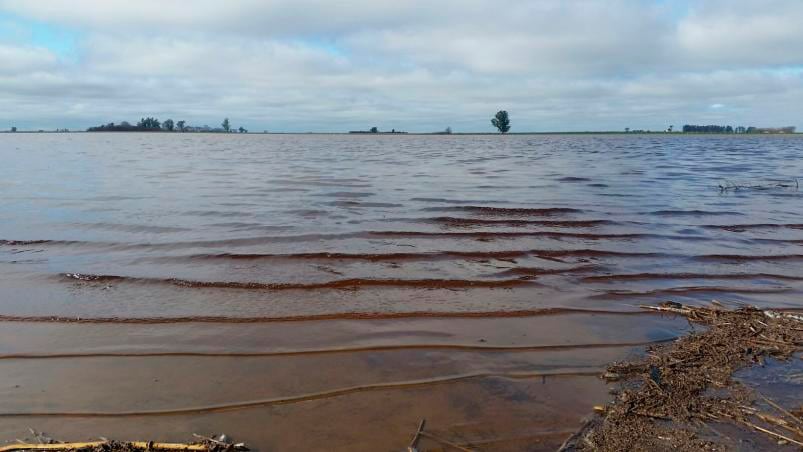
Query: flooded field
[[326, 292]]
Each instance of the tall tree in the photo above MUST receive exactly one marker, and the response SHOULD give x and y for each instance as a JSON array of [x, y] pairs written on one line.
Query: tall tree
[[180, 125], [501, 121], [168, 124], [226, 125]]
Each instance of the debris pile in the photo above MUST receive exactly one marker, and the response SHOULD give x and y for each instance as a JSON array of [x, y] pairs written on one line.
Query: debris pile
[[675, 396]]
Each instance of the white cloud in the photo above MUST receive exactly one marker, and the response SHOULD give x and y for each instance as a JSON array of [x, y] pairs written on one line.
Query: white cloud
[[315, 64], [24, 60]]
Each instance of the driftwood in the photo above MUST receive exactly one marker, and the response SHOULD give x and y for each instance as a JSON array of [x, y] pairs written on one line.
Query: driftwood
[[220, 444], [95, 444]]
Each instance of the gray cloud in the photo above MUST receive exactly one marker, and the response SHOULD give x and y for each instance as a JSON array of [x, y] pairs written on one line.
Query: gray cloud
[[321, 65]]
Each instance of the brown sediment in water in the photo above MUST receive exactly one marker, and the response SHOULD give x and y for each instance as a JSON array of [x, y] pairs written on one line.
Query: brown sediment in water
[[669, 400]]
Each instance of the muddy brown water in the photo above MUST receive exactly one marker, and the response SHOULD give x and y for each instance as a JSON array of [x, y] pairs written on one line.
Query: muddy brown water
[[305, 292]]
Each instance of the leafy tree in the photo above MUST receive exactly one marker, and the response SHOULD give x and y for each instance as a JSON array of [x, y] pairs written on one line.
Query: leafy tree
[[374, 130], [501, 121], [13, 129], [627, 129], [148, 124], [180, 125], [168, 124], [448, 131], [242, 129], [226, 125]]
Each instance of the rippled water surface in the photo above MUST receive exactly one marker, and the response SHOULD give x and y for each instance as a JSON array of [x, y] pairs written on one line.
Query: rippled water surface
[[326, 291]]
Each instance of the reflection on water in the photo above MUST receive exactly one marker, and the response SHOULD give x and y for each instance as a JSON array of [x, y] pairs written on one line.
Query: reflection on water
[[233, 282]]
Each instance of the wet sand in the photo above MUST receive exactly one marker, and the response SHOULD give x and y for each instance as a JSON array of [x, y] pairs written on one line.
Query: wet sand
[[326, 293]]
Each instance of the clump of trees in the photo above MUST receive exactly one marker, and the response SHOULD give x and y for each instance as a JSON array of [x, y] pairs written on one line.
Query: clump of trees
[[150, 124], [707, 129], [501, 121]]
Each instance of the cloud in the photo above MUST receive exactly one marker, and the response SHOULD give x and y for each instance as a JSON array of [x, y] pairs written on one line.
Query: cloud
[[24, 60], [320, 65]]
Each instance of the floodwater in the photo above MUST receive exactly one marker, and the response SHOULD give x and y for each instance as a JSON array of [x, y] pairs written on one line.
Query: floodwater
[[326, 292]]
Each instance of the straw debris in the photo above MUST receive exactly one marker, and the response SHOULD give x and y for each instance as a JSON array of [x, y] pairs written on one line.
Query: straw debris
[[673, 398]]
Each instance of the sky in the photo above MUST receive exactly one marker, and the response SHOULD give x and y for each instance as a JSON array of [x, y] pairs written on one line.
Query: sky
[[417, 65]]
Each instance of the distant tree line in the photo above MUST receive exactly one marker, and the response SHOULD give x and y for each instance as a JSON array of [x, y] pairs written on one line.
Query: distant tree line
[[729, 129], [150, 124]]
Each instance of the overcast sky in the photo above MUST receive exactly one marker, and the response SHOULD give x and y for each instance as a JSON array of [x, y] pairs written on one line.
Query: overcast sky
[[418, 65]]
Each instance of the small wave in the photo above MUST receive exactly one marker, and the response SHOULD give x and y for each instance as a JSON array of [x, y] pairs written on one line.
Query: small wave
[[322, 317], [378, 205], [454, 201], [27, 242], [353, 283], [501, 211], [465, 222], [93, 278], [670, 276], [745, 227], [536, 271], [134, 228], [346, 194], [438, 255], [748, 258], [693, 213], [573, 179], [334, 350], [405, 384], [690, 290]]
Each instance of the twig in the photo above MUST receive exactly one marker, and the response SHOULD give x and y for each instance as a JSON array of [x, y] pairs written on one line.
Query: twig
[[780, 408], [446, 442], [769, 432], [414, 443], [211, 440]]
